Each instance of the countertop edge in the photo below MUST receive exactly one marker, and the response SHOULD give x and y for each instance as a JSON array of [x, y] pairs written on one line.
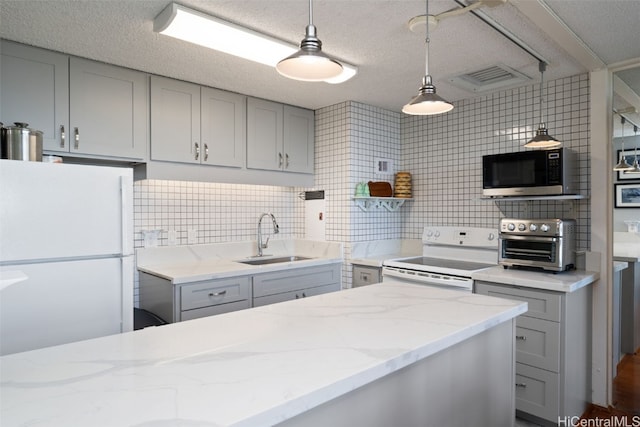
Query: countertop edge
[[230, 268], [538, 280]]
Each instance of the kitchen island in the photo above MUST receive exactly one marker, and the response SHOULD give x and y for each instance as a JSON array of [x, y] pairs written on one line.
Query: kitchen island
[[380, 355]]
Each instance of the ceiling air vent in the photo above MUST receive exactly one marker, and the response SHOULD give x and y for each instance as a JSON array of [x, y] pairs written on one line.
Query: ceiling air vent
[[489, 78]]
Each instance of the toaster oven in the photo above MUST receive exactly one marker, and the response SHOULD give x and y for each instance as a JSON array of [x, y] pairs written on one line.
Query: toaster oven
[[549, 244]]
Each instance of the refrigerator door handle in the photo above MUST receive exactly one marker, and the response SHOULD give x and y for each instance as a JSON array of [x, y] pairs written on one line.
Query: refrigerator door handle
[[126, 194]]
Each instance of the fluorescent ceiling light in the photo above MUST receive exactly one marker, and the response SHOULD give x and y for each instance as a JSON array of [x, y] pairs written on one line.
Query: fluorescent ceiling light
[[208, 31]]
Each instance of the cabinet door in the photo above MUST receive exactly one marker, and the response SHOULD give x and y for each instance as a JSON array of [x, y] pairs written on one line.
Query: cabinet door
[[108, 106], [264, 135], [223, 120], [364, 275], [288, 296], [295, 279], [175, 121], [298, 139], [34, 89]]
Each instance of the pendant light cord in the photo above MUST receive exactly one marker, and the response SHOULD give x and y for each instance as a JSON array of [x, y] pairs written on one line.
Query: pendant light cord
[[310, 12], [426, 62], [542, 66]]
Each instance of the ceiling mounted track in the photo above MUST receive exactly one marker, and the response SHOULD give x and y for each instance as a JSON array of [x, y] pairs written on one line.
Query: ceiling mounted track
[[506, 33]]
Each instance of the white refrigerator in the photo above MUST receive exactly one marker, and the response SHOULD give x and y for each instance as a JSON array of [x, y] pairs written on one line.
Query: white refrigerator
[[66, 253]]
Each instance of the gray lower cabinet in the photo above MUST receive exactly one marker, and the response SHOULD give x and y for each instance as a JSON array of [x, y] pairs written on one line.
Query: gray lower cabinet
[[175, 303], [553, 351], [365, 275], [270, 288]]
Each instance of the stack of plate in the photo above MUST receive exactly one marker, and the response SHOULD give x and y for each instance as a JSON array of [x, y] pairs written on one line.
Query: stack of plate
[[402, 187]]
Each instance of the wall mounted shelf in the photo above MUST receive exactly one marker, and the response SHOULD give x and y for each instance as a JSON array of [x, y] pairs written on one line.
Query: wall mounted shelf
[[389, 203], [528, 198]]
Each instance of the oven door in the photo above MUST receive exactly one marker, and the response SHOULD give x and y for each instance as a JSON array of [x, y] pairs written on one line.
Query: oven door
[[426, 278], [532, 251]]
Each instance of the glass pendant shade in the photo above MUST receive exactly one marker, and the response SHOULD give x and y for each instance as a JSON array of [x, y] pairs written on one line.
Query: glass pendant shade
[[543, 139], [622, 164], [427, 102], [309, 64], [635, 167]]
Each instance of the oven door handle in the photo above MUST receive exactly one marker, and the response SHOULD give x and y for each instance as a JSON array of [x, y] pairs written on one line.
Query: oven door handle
[[530, 238], [526, 251]]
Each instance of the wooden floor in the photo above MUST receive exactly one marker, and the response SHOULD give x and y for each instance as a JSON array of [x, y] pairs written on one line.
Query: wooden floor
[[626, 394]]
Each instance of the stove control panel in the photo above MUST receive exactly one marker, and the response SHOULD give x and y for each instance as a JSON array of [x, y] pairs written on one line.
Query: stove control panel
[[461, 236]]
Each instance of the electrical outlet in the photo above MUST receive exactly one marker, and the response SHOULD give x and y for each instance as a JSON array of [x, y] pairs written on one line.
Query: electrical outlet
[[172, 237], [192, 236]]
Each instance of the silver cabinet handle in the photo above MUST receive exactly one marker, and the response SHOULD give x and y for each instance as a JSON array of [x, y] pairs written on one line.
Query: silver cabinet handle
[[76, 138], [521, 385], [62, 136], [279, 160], [521, 337], [197, 150], [286, 165], [206, 152], [217, 294]]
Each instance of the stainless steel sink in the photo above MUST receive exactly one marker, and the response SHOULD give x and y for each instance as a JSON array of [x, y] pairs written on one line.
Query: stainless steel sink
[[262, 261]]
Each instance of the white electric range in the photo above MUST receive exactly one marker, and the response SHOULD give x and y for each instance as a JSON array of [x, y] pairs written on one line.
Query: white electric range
[[449, 256]]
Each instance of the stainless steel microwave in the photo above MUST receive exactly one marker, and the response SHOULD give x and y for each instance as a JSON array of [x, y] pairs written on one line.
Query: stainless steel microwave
[[529, 173]]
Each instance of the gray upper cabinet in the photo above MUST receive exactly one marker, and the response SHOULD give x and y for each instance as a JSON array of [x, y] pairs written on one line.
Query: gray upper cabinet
[[34, 89], [175, 121], [108, 110], [223, 127], [193, 124], [298, 139], [82, 107], [279, 137]]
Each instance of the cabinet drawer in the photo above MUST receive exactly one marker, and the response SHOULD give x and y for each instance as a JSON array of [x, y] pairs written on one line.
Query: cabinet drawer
[[537, 392], [214, 292], [295, 279], [288, 296], [214, 309], [542, 304], [365, 276], [538, 343]]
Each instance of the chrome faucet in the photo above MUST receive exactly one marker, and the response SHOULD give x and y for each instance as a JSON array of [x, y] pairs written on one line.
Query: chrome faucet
[[276, 230]]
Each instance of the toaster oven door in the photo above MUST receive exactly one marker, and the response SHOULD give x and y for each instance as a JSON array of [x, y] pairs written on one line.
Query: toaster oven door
[[530, 251]]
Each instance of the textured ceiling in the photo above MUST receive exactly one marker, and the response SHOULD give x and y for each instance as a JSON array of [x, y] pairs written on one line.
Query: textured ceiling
[[371, 34]]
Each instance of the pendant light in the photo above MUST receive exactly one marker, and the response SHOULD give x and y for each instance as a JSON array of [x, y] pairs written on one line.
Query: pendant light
[[542, 138], [622, 164], [427, 102], [309, 64], [635, 168]]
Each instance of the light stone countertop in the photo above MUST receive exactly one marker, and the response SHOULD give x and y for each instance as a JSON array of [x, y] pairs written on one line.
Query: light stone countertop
[[254, 367], [373, 253], [626, 246], [194, 263], [566, 281]]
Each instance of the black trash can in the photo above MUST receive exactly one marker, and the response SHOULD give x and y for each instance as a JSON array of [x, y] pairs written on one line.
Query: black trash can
[[143, 319]]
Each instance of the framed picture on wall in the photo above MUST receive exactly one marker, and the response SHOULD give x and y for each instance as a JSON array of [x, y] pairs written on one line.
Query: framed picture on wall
[[628, 195], [630, 156]]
